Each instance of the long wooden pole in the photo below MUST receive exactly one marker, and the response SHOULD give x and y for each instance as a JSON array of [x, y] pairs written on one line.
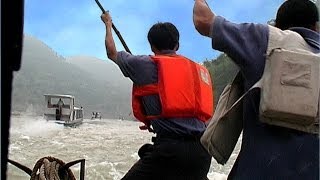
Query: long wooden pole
[[115, 30]]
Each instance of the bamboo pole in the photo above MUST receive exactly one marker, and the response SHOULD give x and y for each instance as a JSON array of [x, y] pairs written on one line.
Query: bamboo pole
[[115, 30]]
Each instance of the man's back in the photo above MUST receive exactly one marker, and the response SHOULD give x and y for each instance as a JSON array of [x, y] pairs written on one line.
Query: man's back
[[266, 151], [142, 71], [176, 152]]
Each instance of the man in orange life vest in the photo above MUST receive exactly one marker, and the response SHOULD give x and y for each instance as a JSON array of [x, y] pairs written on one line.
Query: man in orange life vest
[[172, 96]]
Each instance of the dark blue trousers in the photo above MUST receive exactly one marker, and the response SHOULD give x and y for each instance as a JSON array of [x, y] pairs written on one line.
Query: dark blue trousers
[[171, 158]]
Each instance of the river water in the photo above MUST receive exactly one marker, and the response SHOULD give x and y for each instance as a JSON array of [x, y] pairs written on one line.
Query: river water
[[109, 147]]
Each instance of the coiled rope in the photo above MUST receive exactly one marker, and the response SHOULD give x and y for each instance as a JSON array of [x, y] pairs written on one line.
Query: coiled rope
[[51, 168], [48, 168]]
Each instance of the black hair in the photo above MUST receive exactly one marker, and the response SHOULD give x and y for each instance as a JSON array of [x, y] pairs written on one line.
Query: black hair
[[163, 36], [297, 13]]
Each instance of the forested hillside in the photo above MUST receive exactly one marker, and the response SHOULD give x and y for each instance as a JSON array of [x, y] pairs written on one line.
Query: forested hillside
[[222, 71]]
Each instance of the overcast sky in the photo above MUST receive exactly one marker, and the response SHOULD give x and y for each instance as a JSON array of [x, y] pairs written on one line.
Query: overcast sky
[[74, 27]]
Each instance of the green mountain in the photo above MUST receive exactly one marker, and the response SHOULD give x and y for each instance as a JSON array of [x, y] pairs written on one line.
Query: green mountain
[[96, 84], [222, 71]]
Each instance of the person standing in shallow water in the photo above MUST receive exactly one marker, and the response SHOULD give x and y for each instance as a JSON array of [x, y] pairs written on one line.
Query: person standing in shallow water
[[177, 152], [267, 152]]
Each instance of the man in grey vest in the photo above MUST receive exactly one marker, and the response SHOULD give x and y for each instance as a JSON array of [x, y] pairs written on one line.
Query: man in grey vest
[[267, 151]]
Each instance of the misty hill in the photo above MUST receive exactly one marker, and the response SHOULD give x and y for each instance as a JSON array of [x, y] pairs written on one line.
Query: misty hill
[[107, 72], [96, 84]]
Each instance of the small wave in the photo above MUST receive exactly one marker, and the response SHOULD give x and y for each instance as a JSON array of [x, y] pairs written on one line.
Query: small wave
[[114, 173], [14, 147], [55, 142], [25, 137], [34, 126], [135, 156], [104, 163], [233, 156], [217, 176]]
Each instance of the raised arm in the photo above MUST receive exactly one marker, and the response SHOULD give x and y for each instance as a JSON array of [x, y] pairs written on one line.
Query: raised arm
[[109, 42], [203, 17]]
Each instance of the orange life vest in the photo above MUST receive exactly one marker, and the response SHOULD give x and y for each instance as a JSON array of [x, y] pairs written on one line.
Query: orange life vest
[[184, 88]]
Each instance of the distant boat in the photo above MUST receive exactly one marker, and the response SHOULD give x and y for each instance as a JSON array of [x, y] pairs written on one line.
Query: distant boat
[[96, 115], [61, 109]]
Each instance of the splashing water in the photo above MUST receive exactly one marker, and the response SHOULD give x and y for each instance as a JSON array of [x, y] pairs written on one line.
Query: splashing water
[[109, 147]]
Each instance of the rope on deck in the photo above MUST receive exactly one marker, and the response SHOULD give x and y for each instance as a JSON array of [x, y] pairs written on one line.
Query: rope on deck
[[51, 168]]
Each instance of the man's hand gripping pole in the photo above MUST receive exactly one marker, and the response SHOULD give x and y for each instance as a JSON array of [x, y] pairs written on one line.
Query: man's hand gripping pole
[[115, 30]]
